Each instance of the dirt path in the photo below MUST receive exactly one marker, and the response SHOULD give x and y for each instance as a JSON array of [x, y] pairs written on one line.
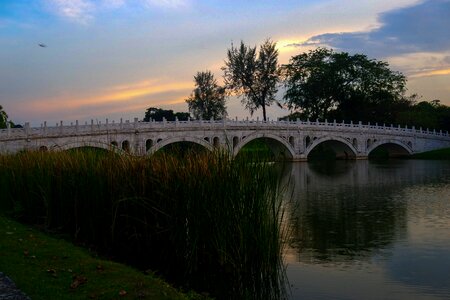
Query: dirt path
[[9, 291]]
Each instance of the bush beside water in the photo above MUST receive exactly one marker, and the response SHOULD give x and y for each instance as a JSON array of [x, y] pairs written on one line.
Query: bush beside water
[[202, 221]]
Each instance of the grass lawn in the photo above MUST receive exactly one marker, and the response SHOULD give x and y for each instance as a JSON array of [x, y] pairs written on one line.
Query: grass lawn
[[45, 267], [436, 154]]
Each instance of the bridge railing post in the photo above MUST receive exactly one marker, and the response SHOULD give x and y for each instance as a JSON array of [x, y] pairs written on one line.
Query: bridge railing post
[[27, 129]]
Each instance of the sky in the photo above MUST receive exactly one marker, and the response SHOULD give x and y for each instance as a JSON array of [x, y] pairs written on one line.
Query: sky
[[115, 58]]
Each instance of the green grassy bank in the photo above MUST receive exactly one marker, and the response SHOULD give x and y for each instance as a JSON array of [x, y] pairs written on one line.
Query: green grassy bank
[[202, 222], [49, 268], [436, 154]]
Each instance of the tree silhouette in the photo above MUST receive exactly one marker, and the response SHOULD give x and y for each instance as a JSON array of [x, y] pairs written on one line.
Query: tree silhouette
[[208, 98], [326, 84], [3, 118], [158, 114], [253, 77]]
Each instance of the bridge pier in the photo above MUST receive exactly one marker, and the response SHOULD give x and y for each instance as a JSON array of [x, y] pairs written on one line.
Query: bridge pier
[[362, 157]]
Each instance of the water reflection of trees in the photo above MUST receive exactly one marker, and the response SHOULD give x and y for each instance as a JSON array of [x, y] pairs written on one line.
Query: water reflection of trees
[[346, 211]]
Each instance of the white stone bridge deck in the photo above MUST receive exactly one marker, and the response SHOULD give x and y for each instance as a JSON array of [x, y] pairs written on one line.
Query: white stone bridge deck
[[293, 139]]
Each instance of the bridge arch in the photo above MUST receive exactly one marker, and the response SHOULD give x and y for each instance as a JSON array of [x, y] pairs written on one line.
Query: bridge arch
[[393, 146], [169, 141], [340, 142], [280, 141], [92, 144]]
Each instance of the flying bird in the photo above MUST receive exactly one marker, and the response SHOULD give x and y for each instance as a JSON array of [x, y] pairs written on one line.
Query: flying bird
[[42, 45]]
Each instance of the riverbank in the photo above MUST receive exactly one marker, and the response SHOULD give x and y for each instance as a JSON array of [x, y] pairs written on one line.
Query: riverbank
[[435, 154], [201, 221], [45, 267]]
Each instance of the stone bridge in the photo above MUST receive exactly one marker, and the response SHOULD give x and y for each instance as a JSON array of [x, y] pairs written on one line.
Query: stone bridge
[[292, 139]]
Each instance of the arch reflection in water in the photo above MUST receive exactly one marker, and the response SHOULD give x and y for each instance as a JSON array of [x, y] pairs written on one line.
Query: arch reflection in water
[[378, 228], [331, 149]]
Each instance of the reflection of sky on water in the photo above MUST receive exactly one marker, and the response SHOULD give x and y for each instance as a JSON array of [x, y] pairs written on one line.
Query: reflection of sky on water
[[370, 230]]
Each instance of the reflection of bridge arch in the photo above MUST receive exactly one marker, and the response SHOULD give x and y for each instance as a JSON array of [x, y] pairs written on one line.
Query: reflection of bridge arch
[[341, 141], [163, 143], [271, 137], [398, 145], [91, 144]]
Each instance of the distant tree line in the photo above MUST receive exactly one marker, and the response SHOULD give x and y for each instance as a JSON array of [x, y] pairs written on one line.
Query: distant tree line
[[319, 84], [158, 114]]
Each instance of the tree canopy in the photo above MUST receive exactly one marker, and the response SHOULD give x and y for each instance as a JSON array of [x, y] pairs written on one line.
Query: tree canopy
[[208, 98], [251, 76], [326, 84], [157, 114]]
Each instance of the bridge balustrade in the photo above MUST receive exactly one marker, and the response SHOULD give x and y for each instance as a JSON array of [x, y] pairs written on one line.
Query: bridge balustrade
[[76, 129]]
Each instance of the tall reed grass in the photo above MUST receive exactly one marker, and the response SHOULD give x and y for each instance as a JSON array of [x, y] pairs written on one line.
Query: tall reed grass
[[202, 221]]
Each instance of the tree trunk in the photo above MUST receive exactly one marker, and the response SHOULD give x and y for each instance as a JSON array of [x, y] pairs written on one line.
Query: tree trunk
[[264, 112]]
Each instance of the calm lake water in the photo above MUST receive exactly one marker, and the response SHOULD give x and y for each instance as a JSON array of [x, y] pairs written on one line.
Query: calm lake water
[[369, 230]]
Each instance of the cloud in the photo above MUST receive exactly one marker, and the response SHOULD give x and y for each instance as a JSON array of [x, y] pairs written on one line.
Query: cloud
[[121, 95], [113, 3], [420, 28], [431, 73], [83, 11], [168, 3], [80, 11]]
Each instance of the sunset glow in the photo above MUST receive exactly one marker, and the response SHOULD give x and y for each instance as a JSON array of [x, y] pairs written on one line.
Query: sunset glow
[[116, 58]]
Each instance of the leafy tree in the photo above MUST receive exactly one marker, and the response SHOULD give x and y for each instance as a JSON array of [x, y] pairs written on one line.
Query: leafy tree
[[208, 98], [4, 119], [253, 77], [182, 116], [157, 114], [432, 115], [326, 84]]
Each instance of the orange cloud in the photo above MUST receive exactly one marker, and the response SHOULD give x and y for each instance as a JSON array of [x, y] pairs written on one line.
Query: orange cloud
[[122, 93], [431, 73]]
